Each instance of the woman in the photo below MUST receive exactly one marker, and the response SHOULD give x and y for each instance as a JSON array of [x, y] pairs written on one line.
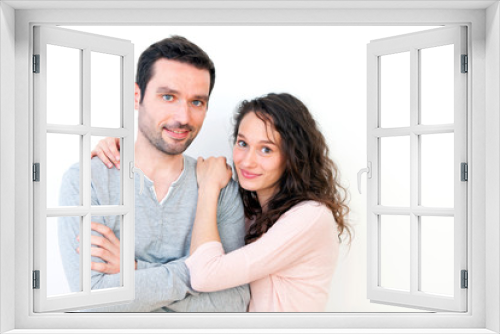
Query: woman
[[294, 208]]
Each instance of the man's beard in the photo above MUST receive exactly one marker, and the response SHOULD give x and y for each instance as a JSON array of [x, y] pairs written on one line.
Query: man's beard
[[161, 145]]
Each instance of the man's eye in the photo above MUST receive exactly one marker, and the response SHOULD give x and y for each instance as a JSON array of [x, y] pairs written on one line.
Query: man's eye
[[167, 97], [197, 103]]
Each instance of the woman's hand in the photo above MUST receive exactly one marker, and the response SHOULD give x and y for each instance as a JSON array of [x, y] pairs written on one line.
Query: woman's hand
[[213, 172], [108, 150]]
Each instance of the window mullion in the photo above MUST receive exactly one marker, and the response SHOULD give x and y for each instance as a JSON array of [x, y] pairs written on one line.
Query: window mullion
[[414, 171], [85, 245]]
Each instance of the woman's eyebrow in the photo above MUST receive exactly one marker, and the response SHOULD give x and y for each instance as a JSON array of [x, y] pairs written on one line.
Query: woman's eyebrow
[[242, 136]]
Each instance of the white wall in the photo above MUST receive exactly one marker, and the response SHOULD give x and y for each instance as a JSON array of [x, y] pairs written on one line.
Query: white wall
[[7, 188], [326, 68], [492, 163]]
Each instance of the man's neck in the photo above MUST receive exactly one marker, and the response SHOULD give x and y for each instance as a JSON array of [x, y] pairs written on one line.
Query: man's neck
[[161, 168]]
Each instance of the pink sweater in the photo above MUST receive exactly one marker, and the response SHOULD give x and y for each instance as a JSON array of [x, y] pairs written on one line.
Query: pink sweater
[[289, 268]]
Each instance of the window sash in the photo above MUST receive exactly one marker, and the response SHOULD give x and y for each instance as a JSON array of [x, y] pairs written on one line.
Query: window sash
[[413, 43], [86, 43]]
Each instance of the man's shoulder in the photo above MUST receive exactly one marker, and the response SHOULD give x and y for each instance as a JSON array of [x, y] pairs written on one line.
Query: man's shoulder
[[230, 193], [99, 171]]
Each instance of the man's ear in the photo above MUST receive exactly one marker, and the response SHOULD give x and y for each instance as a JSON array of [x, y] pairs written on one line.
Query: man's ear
[[137, 96]]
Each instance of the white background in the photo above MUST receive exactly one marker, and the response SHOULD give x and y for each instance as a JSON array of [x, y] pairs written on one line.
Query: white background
[[323, 66]]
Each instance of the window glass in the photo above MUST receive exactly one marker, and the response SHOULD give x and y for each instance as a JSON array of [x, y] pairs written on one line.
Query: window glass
[[63, 156], [395, 90], [395, 171], [63, 85], [395, 252], [437, 85], [105, 96]]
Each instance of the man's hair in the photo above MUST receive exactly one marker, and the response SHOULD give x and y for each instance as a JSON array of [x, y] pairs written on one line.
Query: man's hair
[[174, 48]]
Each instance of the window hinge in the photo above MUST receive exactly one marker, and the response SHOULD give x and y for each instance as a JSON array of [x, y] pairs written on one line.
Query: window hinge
[[464, 171], [465, 279], [36, 63], [465, 64], [36, 172], [36, 279]]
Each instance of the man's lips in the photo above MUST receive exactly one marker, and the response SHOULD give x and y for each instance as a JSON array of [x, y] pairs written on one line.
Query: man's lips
[[177, 134], [248, 175]]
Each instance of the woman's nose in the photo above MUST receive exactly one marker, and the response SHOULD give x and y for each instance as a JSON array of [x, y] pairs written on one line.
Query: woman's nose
[[249, 158]]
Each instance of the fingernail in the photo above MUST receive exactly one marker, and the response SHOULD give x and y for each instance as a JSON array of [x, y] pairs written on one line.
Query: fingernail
[[110, 165], [117, 158]]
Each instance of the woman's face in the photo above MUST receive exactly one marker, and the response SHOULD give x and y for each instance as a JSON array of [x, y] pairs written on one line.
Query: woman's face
[[258, 157]]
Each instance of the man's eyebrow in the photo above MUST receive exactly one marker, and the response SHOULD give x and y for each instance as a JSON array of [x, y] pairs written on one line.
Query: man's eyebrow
[[167, 90], [242, 136], [201, 97]]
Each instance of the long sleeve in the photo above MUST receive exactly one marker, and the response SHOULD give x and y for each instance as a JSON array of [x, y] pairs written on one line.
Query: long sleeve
[[160, 284], [290, 241]]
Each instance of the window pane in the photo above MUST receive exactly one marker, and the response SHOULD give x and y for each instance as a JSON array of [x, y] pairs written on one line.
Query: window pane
[[437, 85], [63, 156], [395, 252], [436, 251], [105, 180], [395, 171], [395, 90], [105, 90], [437, 174], [111, 255], [63, 85], [59, 276]]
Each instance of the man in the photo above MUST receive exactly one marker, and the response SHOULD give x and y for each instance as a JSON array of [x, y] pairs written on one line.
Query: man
[[173, 84]]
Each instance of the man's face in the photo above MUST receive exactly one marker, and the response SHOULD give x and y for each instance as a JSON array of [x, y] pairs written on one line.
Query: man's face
[[174, 105]]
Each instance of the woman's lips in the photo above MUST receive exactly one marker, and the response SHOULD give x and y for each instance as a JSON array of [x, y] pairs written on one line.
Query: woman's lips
[[248, 175]]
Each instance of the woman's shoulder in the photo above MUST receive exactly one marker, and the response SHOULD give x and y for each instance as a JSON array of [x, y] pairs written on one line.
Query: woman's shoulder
[[307, 218], [309, 206], [310, 211]]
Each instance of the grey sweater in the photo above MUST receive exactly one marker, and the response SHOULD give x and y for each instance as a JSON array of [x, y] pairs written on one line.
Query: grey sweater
[[162, 241]]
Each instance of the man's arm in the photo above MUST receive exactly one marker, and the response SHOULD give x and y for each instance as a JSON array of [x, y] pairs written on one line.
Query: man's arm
[[156, 285]]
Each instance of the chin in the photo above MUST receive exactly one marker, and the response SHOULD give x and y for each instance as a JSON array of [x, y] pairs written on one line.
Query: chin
[[248, 186]]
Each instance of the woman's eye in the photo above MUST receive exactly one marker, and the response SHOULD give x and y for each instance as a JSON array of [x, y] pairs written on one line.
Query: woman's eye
[[167, 97], [197, 103], [265, 150], [241, 143]]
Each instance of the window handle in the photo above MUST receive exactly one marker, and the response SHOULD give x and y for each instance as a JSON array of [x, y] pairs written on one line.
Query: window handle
[[134, 170], [368, 172]]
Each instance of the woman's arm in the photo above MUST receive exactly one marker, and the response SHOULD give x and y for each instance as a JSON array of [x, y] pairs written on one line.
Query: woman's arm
[[212, 174], [306, 233]]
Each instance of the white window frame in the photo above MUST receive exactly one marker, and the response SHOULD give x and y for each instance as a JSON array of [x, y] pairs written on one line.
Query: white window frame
[[483, 20]]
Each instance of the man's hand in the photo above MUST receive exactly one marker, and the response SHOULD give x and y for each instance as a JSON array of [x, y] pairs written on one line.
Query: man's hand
[[108, 150], [108, 249]]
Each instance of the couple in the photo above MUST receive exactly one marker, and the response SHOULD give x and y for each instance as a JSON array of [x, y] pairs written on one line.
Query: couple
[[193, 250]]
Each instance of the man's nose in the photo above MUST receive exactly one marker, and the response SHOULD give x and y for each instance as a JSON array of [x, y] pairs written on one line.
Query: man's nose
[[182, 113]]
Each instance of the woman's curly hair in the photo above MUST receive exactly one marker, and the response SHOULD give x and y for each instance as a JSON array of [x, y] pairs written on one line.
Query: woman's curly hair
[[309, 174]]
